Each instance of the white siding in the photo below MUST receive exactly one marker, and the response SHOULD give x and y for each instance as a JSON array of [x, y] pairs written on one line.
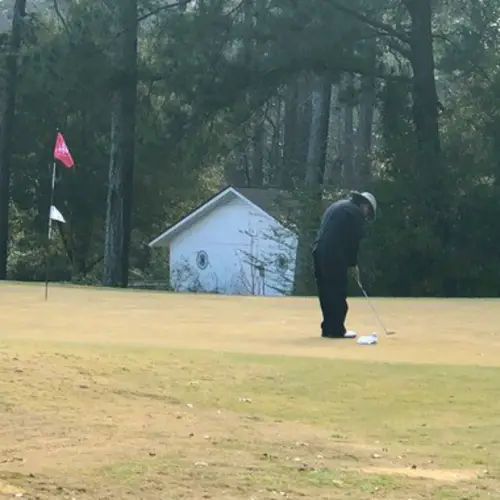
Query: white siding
[[226, 236]]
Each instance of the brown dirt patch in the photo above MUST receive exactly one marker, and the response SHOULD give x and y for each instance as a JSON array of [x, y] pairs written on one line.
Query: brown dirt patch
[[443, 475]]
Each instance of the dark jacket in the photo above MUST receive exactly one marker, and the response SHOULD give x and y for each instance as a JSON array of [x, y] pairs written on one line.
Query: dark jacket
[[339, 234]]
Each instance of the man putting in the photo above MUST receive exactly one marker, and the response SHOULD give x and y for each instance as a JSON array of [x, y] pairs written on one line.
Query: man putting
[[335, 250]]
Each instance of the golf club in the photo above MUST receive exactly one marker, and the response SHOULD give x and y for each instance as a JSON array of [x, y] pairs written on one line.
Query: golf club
[[387, 332]]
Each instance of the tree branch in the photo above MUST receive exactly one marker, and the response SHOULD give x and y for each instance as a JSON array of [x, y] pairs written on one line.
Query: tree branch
[[396, 46], [91, 266], [479, 68], [152, 12], [61, 17], [386, 28]]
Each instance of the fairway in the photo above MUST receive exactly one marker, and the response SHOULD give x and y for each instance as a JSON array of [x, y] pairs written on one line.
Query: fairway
[[148, 395]]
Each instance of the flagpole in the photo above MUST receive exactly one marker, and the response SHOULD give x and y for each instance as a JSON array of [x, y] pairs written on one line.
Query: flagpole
[[61, 153], [49, 230]]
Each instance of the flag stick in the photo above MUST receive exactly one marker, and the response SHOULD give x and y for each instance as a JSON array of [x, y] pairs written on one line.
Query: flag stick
[[49, 231]]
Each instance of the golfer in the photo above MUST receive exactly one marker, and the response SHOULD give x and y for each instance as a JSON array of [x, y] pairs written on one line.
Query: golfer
[[335, 250]]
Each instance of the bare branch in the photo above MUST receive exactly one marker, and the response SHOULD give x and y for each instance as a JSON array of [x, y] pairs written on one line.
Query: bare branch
[[58, 12], [152, 12]]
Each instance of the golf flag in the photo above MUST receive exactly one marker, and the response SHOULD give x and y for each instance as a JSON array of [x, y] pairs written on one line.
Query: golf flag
[[62, 153], [56, 215]]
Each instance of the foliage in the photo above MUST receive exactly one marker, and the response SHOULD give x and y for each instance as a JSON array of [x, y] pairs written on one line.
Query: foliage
[[224, 95]]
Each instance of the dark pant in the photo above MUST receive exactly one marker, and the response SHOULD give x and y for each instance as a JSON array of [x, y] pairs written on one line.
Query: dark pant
[[331, 282]]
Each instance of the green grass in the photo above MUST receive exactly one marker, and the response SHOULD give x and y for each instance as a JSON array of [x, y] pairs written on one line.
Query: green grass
[[350, 414], [115, 395]]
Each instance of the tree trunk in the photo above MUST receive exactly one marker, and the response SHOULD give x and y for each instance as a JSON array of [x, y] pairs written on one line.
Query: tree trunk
[[365, 126], [121, 167], [347, 154], [306, 84], [425, 100], [315, 169], [290, 134], [296, 133], [430, 181], [258, 146], [318, 139], [7, 130], [236, 171], [333, 167], [275, 140]]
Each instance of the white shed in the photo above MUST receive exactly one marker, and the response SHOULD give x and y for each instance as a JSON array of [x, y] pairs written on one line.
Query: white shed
[[231, 244]]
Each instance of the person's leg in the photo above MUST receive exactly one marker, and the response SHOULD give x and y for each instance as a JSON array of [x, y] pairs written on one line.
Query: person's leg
[[341, 305], [332, 291], [322, 292]]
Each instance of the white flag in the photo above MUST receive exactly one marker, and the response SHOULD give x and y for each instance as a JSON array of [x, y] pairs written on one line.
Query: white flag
[[55, 214]]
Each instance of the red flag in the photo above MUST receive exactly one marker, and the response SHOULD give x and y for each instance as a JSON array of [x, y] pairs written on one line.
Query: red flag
[[61, 152]]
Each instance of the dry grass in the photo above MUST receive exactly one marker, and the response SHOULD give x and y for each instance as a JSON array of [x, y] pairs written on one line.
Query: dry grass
[[108, 395]]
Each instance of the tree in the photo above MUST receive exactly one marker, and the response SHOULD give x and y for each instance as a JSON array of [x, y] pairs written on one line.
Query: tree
[[425, 99], [7, 128], [314, 173], [122, 154], [230, 91], [367, 105]]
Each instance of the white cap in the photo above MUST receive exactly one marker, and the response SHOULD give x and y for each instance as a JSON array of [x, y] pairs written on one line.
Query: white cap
[[368, 197], [371, 200]]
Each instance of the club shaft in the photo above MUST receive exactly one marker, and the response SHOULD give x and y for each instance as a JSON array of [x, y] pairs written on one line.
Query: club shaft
[[373, 308]]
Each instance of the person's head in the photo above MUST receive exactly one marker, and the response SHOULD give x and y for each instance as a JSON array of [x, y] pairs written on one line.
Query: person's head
[[367, 203]]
